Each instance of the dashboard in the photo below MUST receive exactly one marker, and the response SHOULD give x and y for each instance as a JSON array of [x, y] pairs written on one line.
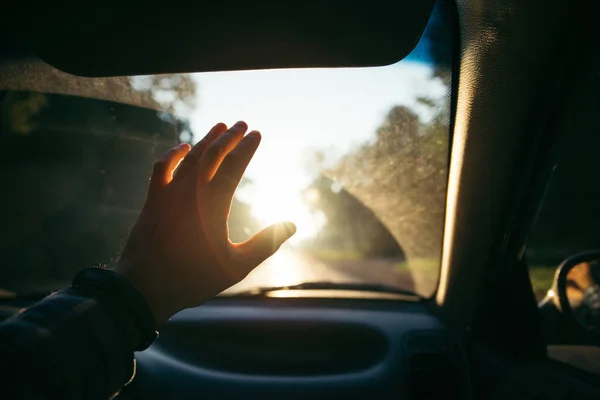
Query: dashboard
[[271, 347]]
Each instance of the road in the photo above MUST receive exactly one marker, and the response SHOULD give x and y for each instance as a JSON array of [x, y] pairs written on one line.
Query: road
[[290, 267]]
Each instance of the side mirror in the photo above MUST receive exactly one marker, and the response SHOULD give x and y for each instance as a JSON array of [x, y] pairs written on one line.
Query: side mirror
[[577, 289]]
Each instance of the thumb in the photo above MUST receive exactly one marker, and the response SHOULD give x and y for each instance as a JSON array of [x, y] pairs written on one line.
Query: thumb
[[264, 244]]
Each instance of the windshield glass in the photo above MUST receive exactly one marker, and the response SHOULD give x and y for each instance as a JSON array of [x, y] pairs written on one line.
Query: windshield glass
[[357, 158]]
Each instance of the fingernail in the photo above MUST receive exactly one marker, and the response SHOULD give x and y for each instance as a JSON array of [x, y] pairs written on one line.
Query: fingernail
[[240, 123]]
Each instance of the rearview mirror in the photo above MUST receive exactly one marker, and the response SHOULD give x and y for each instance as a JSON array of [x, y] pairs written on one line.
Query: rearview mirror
[[577, 285]]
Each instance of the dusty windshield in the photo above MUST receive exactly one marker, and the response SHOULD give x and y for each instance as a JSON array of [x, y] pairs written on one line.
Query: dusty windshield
[[357, 158]]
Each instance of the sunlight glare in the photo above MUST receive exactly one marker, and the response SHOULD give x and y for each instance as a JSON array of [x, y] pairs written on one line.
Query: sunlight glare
[[272, 206], [300, 112]]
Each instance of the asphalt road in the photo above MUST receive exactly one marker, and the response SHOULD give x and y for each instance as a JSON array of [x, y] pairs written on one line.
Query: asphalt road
[[290, 267]]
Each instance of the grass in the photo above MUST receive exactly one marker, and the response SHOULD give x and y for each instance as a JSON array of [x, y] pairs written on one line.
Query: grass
[[542, 277], [424, 272], [421, 264]]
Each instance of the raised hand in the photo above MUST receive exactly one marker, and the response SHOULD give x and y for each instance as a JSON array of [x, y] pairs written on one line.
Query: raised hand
[[179, 253]]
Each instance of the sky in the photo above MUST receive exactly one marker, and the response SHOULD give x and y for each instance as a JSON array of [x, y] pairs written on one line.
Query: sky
[[302, 110]]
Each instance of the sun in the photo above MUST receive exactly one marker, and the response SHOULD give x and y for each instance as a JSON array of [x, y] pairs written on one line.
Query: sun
[[275, 188], [272, 206]]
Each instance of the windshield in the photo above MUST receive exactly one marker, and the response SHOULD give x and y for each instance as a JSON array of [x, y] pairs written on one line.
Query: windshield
[[357, 158]]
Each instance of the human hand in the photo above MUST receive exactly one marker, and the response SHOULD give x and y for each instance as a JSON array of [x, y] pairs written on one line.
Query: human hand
[[581, 276], [179, 254]]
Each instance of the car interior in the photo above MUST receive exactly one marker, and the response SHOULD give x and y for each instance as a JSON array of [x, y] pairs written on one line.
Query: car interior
[[438, 156]]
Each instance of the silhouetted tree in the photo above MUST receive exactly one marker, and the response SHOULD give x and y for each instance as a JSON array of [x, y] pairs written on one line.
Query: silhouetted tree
[[350, 226]]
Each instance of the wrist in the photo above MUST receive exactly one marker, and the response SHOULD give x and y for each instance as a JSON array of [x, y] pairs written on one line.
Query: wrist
[[134, 273], [122, 301]]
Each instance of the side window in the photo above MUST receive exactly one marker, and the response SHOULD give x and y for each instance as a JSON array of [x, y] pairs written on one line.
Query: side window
[[569, 219], [569, 223]]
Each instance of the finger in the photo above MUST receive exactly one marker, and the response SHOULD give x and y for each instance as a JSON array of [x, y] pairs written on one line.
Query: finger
[[162, 174], [194, 155], [218, 149], [263, 245], [234, 165]]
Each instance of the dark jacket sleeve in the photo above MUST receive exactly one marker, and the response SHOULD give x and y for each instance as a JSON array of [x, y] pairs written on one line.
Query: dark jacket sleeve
[[70, 345]]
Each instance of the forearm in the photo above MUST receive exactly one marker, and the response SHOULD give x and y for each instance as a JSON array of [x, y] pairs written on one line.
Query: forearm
[[73, 344], [79, 343]]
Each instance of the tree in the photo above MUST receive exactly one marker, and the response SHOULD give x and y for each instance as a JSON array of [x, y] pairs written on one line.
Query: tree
[[402, 178], [77, 153], [351, 228], [40, 77], [175, 93]]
